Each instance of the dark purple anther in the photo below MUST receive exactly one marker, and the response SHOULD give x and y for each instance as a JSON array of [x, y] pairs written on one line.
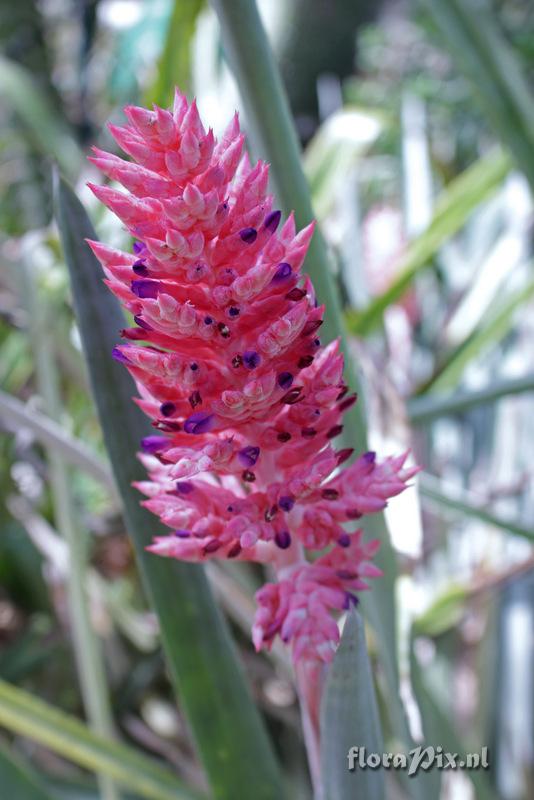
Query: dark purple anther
[[284, 380], [142, 324], [282, 273], [184, 487], [272, 220], [139, 247], [344, 455], [195, 399], [346, 575], [284, 437], [212, 546], [369, 457], [248, 455], [146, 289], [118, 355], [208, 320], [234, 551], [248, 476], [224, 330], [311, 326], [308, 433], [167, 409], [283, 539], [334, 431], [233, 311], [193, 365], [199, 422], [251, 359], [182, 534], [140, 268], [286, 502], [293, 396], [305, 361], [153, 444], [344, 540], [348, 403], [237, 361], [296, 294], [248, 235], [330, 494]]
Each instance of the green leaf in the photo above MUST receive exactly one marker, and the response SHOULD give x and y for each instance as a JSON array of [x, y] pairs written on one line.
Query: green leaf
[[349, 718], [463, 194], [173, 67], [471, 33], [200, 655], [17, 781], [444, 613], [484, 336], [29, 716], [456, 501], [17, 87], [428, 407]]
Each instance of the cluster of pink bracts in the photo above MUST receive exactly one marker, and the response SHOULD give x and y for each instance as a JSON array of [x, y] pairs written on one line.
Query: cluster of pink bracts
[[246, 401]]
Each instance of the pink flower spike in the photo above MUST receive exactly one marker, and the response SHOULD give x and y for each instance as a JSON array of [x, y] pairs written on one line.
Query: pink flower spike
[[245, 400]]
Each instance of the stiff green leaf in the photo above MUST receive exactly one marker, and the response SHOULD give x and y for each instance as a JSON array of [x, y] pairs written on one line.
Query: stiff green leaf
[[174, 64], [456, 203], [490, 332], [17, 87], [202, 661], [428, 407], [444, 613], [274, 138], [452, 500], [29, 716], [17, 781], [349, 718], [471, 33]]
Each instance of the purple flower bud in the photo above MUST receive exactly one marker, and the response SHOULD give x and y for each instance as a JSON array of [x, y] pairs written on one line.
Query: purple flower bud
[[142, 324], [248, 235], [167, 409], [251, 359], [282, 273], [369, 457], [144, 289], [199, 422], [286, 502], [272, 220], [344, 540], [140, 268], [350, 600], [181, 534], [283, 539], [139, 247], [284, 380], [184, 487], [153, 444], [118, 355], [248, 455]]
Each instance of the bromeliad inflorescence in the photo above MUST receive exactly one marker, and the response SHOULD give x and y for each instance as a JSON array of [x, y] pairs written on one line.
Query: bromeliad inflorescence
[[246, 401]]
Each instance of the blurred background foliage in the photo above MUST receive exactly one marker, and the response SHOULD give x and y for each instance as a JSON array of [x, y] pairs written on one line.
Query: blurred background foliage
[[417, 123]]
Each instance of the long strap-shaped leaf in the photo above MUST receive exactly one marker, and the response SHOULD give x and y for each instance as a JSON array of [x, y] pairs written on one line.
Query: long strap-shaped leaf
[[22, 713], [350, 720], [200, 655], [472, 35], [271, 123]]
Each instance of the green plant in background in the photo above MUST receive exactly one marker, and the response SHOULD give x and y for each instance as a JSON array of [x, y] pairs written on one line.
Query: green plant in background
[[442, 346]]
